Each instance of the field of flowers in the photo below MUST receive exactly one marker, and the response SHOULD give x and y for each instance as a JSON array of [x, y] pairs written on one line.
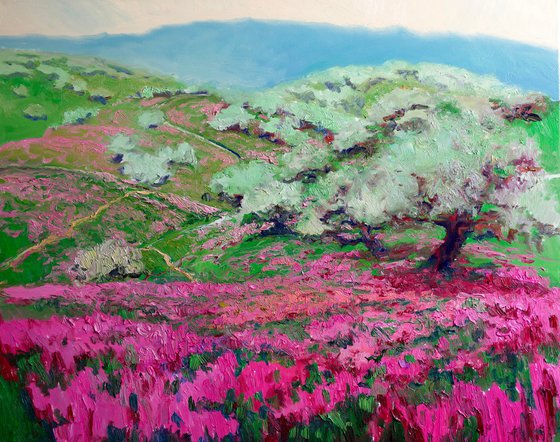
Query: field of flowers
[[331, 354], [363, 254]]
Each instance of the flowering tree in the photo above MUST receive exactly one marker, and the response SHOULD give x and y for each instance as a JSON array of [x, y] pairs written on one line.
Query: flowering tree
[[446, 155], [469, 176], [109, 259]]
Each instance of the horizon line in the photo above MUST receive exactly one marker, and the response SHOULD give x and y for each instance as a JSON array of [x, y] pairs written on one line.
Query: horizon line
[[350, 28], [515, 20]]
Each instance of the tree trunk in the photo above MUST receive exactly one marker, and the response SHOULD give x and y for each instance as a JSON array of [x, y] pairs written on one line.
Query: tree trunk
[[370, 240], [367, 237], [457, 229], [278, 227], [280, 223]]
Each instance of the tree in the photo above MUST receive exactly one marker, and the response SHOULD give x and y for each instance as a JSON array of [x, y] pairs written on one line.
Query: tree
[[469, 176], [110, 259], [150, 167], [79, 115], [151, 118], [443, 153]]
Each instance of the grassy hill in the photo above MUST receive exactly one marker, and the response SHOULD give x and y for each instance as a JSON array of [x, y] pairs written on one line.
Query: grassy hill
[[137, 301], [83, 133]]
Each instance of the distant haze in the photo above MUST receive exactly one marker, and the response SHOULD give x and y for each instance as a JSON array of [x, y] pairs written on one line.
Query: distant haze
[[534, 22], [259, 54]]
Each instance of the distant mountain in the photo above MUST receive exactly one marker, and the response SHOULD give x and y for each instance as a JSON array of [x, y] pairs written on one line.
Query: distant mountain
[[258, 54]]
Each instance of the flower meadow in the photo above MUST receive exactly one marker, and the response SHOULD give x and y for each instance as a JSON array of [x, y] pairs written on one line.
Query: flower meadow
[[367, 253], [370, 358]]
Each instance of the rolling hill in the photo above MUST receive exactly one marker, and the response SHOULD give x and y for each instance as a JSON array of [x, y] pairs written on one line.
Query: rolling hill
[[151, 289]]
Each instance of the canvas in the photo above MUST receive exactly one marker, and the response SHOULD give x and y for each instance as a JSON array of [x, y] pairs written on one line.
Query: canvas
[[280, 221]]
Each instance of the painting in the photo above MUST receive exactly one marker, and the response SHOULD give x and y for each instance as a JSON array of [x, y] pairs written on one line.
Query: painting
[[303, 220]]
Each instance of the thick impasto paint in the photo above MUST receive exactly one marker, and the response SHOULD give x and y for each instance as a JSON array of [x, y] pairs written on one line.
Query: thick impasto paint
[[279, 230]]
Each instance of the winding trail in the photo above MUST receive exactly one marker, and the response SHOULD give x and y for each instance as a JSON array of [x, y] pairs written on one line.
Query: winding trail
[[203, 139], [103, 176], [169, 262], [51, 239]]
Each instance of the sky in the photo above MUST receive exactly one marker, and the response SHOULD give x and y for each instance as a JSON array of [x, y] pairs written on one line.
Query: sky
[[533, 22]]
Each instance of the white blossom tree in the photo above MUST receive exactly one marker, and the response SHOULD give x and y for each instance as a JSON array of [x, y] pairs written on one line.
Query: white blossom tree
[[448, 156]]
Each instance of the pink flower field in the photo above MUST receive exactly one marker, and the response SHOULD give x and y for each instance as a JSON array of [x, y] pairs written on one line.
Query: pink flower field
[[371, 359], [325, 248]]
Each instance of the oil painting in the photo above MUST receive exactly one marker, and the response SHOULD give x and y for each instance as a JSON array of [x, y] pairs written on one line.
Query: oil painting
[[279, 221]]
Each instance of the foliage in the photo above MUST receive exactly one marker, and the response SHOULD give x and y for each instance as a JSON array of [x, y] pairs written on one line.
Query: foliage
[[441, 148], [147, 166], [79, 115], [58, 84], [111, 259]]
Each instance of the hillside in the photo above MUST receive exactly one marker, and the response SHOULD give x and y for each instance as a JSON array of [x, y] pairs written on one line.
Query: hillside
[[275, 52], [177, 262]]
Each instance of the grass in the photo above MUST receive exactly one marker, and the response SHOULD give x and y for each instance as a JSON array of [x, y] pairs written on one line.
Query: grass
[[58, 84], [17, 421], [61, 83]]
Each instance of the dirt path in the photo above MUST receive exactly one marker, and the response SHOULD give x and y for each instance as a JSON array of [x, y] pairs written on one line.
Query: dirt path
[[120, 184], [203, 139], [51, 239], [102, 176], [169, 262]]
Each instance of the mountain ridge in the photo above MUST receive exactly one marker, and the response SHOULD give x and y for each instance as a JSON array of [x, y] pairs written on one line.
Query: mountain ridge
[[259, 54]]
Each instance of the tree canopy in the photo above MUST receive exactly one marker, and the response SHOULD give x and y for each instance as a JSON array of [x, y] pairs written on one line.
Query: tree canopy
[[371, 146]]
